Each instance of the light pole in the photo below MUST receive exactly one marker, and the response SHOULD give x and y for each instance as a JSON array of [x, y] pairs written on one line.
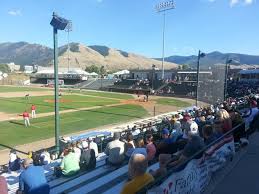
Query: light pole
[[68, 30], [58, 23], [153, 74], [200, 55], [163, 7], [228, 62], [101, 71]]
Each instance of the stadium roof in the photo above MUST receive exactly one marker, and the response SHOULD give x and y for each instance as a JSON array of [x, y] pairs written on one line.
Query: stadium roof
[[249, 71], [63, 71]]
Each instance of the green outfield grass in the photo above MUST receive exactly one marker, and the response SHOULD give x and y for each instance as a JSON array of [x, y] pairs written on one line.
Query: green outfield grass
[[14, 133], [18, 105], [20, 89], [107, 94], [173, 102]]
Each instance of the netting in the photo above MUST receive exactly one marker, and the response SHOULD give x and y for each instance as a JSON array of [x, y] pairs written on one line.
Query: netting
[[211, 85]]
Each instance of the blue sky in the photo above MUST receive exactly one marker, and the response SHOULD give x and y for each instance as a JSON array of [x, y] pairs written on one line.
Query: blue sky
[[134, 26]]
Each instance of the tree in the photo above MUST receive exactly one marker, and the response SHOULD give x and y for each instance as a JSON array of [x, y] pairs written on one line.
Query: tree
[[92, 68], [185, 66], [5, 68]]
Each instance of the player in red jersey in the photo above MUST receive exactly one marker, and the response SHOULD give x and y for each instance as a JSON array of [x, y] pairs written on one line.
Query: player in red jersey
[[26, 119], [33, 111]]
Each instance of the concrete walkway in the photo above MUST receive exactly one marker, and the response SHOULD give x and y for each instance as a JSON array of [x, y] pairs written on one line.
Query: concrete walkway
[[244, 177]]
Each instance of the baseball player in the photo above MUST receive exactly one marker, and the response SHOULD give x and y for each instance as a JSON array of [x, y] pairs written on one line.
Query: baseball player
[[26, 118], [33, 111]]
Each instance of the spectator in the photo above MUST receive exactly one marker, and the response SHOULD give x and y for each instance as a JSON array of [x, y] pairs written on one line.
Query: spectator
[[14, 161], [137, 170], [194, 144], [151, 148], [32, 180], [69, 165], [253, 112], [217, 128], [129, 145], [208, 134], [45, 157], [76, 150], [223, 116], [140, 147], [88, 160], [115, 150], [3, 185], [176, 133], [166, 136], [164, 159], [93, 145]]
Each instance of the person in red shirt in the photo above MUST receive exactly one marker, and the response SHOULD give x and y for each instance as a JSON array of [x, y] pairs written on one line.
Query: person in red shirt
[[33, 111], [26, 118]]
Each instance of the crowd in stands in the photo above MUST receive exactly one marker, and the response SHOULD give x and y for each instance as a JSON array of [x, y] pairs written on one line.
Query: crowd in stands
[[241, 88], [177, 139]]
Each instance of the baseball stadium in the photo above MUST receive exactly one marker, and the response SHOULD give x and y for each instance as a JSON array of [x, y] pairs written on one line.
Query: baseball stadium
[[77, 119]]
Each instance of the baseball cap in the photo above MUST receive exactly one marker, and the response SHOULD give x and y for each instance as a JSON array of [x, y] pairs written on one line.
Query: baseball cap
[[90, 138], [254, 103], [165, 131], [193, 128]]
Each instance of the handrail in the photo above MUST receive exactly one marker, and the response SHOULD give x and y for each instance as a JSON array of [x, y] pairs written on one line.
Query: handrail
[[159, 180]]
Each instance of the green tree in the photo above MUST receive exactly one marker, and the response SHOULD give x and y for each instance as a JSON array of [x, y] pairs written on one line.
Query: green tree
[[5, 68], [92, 68], [185, 66]]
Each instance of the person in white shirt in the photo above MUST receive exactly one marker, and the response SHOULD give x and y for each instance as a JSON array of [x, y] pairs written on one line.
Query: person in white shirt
[[93, 145], [76, 150], [45, 157], [115, 150]]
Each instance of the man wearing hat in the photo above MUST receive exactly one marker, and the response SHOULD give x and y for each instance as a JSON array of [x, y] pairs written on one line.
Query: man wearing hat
[[32, 180], [115, 150]]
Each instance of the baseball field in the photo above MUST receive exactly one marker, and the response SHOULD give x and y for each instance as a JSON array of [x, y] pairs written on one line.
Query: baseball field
[[79, 111]]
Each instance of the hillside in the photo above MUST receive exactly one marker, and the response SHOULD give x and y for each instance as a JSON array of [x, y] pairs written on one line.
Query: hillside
[[215, 58], [23, 53]]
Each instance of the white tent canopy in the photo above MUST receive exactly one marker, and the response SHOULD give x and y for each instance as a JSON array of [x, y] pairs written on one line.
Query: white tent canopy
[[93, 74], [123, 72]]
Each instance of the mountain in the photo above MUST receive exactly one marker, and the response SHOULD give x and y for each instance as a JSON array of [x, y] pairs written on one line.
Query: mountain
[[22, 53], [215, 58]]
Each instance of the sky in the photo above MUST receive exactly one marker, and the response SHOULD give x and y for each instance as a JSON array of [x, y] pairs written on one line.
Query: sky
[[135, 26]]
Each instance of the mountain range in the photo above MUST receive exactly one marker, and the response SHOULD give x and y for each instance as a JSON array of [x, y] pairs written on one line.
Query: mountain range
[[215, 58], [81, 56]]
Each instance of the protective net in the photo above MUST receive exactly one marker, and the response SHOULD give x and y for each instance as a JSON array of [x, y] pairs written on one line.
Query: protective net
[[211, 84]]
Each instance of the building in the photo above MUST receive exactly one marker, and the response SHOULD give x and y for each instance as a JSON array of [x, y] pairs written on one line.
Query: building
[[250, 75], [46, 76], [173, 74], [14, 67]]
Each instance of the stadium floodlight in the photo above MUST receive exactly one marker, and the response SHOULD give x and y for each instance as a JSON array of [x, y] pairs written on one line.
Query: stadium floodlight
[[200, 55], [58, 23], [163, 7]]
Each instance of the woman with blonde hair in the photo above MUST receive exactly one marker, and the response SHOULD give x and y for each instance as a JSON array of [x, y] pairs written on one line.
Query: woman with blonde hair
[[224, 117]]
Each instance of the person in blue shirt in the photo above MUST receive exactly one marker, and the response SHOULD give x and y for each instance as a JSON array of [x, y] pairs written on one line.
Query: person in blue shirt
[[32, 180]]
